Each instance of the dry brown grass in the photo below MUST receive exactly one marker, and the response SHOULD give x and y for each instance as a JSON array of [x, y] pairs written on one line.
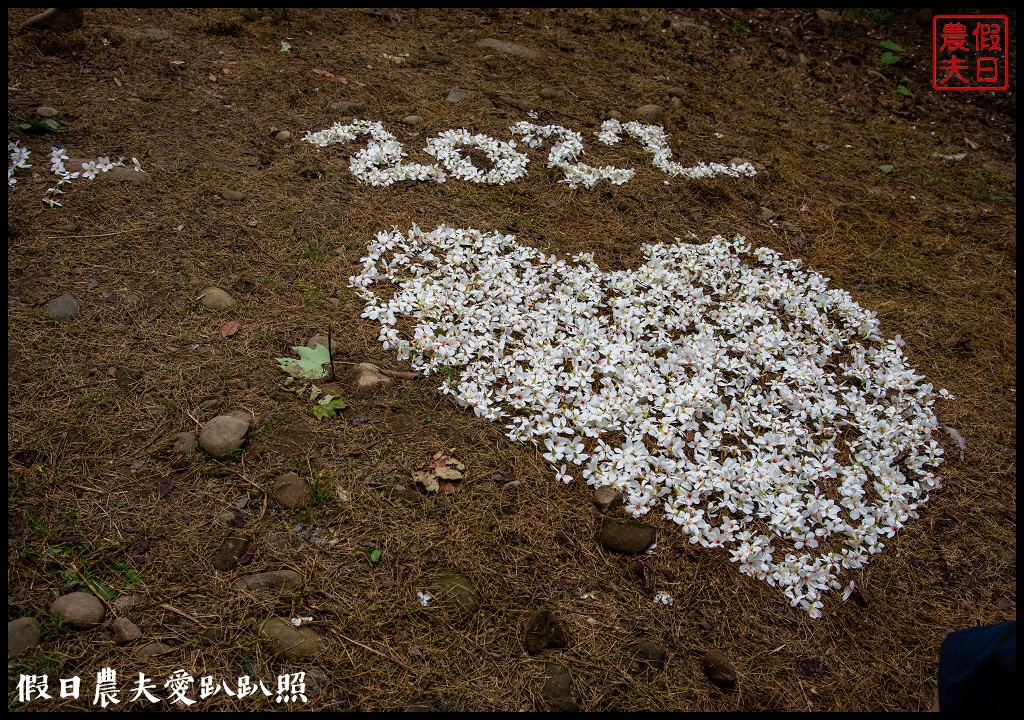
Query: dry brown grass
[[938, 269]]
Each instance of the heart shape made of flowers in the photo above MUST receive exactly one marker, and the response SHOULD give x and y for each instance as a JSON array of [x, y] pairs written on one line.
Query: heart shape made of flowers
[[757, 408]]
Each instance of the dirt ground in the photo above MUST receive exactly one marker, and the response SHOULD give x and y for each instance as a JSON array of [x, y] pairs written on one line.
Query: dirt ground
[[906, 200]]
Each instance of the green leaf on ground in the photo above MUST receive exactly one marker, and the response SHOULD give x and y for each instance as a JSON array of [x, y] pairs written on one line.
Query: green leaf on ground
[[285, 46], [887, 169], [309, 366], [889, 59], [890, 45], [904, 90], [328, 406], [373, 556]]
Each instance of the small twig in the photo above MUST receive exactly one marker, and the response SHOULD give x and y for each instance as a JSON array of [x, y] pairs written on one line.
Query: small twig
[[193, 418], [94, 592], [330, 352], [85, 487], [396, 661], [398, 374], [184, 614], [76, 237]]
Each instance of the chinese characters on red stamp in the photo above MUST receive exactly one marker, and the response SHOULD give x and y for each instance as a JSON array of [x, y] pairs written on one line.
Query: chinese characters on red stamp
[[970, 52]]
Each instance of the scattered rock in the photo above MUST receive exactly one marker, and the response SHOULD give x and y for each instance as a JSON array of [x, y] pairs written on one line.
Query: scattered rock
[[157, 34], [543, 631], [650, 113], [626, 536], [58, 19], [412, 120], [677, 103], [292, 492], [456, 591], [829, 16], [233, 195], [276, 540], [347, 106], [214, 298], [127, 174], [64, 307], [718, 669], [125, 630], [322, 340], [283, 136], [289, 641], [521, 103], [79, 610], [567, 46], [274, 580], [676, 92], [152, 649], [433, 57], [457, 94], [509, 48], [22, 634], [367, 377], [405, 494], [45, 111], [606, 497], [612, 115], [550, 93], [230, 552], [646, 656], [556, 695], [124, 603], [223, 435]]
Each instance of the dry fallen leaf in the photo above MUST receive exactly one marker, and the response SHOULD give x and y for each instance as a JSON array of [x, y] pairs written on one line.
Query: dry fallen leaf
[[325, 73], [225, 71], [229, 328], [212, 77], [117, 82], [440, 467]]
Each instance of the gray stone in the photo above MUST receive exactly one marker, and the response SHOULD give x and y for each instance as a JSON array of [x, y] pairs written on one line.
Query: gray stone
[[405, 494], [556, 695], [185, 443], [456, 94], [542, 631], [158, 34], [606, 497], [626, 536], [45, 111], [152, 649], [412, 120], [613, 115], [718, 669], [214, 298], [22, 634], [125, 630], [128, 174], [677, 103], [292, 492], [283, 136], [79, 610], [518, 102], [433, 57], [456, 591], [646, 656], [550, 93], [322, 340], [64, 307], [57, 19], [347, 106], [276, 540], [230, 552], [233, 195], [509, 48], [288, 641], [223, 435], [124, 603], [650, 113], [367, 377], [567, 46], [676, 92], [273, 581]]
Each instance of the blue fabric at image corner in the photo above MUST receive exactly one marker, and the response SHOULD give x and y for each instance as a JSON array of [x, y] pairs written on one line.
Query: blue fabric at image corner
[[978, 669]]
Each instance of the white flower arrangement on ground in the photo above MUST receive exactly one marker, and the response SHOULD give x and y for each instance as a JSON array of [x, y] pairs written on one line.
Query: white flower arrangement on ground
[[382, 161], [90, 170], [760, 410]]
